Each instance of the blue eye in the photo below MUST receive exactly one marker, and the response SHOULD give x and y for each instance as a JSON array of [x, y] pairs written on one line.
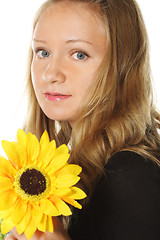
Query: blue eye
[[79, 55], [43, 53]]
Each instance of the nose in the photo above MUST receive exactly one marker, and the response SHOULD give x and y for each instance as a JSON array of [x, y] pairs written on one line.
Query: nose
[[54, 72]]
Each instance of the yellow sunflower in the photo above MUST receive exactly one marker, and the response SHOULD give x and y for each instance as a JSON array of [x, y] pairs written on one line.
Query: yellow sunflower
[[36, 183]]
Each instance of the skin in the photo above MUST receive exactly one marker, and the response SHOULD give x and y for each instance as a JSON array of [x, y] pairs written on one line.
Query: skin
[[68, 48]]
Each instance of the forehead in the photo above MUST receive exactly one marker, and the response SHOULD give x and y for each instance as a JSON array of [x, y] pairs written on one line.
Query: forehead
[[70, 16]]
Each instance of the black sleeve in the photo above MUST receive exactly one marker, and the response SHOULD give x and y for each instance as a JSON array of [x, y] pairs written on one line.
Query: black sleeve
[[125, 204]]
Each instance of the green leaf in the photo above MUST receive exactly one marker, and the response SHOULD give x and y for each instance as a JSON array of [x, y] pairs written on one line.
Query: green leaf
[[1, 235]]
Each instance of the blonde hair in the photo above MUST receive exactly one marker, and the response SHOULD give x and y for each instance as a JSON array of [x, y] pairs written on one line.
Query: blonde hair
[[119, 113]]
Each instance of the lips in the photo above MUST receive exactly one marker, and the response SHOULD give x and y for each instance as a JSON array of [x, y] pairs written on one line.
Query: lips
[[55, 96]]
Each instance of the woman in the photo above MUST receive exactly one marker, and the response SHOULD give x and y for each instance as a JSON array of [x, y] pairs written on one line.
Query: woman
[[89, 87]]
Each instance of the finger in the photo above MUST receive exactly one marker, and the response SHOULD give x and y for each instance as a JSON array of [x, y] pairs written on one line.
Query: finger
[[17, 236], [9, 236]]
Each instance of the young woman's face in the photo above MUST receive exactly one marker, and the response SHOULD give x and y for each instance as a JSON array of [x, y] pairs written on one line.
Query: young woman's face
[[68, 46]]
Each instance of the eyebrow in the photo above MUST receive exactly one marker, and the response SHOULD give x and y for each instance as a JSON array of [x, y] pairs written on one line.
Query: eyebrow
[[36, 40], [78, 40], [67, 42]]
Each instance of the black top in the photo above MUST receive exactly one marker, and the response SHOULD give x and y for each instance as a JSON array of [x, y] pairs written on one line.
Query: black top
[[125, 204]]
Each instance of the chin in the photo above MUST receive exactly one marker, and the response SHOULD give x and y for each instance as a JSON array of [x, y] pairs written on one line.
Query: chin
[[56, 117]]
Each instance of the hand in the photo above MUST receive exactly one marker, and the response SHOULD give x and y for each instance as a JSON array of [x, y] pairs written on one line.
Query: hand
[[59, 233]]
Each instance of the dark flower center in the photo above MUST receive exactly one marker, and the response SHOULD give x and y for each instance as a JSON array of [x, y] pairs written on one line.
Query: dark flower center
[[33, 182]]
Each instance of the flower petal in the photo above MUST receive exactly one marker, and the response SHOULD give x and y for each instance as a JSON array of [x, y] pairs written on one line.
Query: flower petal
[[69, 169], [21, 153], [49, 224], [44, 146], [44, 141], [66, 180], [7, 199], [57, 163], [77, 193], [37, 213], [5, 214], [63, 149], [61, 206], [21, 227], [5, 184], [42, 224], [22, 138], [47, 154], [18, 211], [4, 178], [6, 168], [15, 153], [31, 228], [33, 147], [72, 202], [49, 208], [6, 226], [64, 191], [73, 192]]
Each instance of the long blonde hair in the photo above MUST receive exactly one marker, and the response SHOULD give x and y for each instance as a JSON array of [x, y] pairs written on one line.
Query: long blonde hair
[[119, 113]]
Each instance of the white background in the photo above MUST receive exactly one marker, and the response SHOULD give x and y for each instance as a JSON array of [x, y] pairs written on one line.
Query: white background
[[15, 33]]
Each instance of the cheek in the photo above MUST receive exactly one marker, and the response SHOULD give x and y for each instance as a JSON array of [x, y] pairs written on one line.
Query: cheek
[[87, 79], [82, 87], [36, 74]]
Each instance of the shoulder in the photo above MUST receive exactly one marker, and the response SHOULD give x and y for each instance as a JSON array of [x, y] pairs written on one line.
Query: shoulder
[[133, 163], [128, 158], [131, 184], [133, 173], [130, 180]]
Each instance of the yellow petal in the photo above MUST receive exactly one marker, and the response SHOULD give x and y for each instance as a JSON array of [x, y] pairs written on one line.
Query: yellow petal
[[21, 227], [47, 154], [60, 192], [61, 206], [53, 187], [6, 226], [57, 163], [18, 211], [72, 202], [5, 214], [66, 180], [37, 213], [33, 147], [77, 193], [31, 228], [73, 193], [6, 168], [49, 208], [49, 224], [69, 169], [63, 149], [21, 152], [22, 138], [15, 153], [42, 224], [5, 184], [4, 178], [44, 146], [44, 141], [7, 199]]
